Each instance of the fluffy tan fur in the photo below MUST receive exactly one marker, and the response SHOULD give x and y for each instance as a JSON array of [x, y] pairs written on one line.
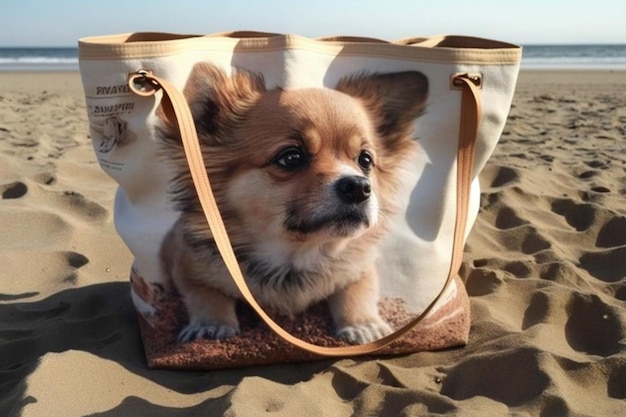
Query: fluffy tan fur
[[305, 180]]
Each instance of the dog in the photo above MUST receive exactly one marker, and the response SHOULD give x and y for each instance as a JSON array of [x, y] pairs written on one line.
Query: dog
[[305, 180]]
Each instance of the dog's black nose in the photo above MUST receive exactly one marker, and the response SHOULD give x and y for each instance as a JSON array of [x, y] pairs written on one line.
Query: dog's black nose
[[353, 189]]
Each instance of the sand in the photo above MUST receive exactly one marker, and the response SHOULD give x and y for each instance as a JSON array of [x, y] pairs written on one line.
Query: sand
[[545, 268]]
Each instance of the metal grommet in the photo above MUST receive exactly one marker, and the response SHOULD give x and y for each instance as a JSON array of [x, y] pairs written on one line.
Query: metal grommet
[[475, 78], [142, 83]]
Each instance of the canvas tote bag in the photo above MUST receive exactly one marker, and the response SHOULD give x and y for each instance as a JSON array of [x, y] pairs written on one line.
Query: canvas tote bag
[[288, 198]]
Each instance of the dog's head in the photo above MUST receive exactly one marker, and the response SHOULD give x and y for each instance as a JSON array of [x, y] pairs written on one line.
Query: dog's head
[[301, 163]]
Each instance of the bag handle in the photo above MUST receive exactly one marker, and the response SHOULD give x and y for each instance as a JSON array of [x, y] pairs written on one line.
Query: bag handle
[[145, 84], [429, 42]]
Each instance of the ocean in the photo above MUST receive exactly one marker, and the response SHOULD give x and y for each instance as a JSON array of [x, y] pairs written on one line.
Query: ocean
[[574, 57], [38, 59], [534, 57]]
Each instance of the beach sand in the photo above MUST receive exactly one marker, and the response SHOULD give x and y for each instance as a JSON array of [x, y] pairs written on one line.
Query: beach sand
[[545, 268]]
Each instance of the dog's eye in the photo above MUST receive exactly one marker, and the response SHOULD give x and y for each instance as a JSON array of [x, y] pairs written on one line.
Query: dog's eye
[[366, 160], [291, 159]]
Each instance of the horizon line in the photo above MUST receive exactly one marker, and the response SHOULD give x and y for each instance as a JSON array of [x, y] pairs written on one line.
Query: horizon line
[[618, 43]]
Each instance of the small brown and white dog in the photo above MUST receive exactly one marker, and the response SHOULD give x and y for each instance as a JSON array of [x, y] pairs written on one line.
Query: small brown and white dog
[[305, 180]]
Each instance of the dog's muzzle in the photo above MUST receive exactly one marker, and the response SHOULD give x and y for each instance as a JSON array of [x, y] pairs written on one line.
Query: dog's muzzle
[[346, 210]]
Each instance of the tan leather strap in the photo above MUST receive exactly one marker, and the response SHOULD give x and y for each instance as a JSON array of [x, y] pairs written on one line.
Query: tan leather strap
[[468, 133], [176, 108]]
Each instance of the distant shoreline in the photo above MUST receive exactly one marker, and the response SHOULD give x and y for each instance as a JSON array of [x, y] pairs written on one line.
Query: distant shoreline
[[590, 57], [17, 68]]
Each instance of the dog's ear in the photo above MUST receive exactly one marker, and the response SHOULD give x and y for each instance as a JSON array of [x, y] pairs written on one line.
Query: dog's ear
[[217, 100], [395, 99]]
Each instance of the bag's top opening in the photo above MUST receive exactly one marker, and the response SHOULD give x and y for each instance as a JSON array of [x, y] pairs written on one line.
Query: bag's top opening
[[444, 48]]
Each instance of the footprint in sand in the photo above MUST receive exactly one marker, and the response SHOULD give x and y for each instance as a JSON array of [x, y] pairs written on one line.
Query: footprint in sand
[[482, 280], [519, 268], [14, 190], [499, 176], [78, 204], [75, 261], [45, 178], [46, 267], [587, 174], [604, 259], [467, 379], [579, 216], [612, 233], [538, 310], [507, 218], [600, 190], [596, 164], [559, 271], [533, 243], [593, 327], [606, 265]]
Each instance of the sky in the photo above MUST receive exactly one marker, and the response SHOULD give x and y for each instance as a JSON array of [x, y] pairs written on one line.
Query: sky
[[63, 22]]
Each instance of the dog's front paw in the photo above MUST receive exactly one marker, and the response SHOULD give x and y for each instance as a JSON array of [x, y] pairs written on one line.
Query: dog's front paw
[[211, 331], [359, 334]]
